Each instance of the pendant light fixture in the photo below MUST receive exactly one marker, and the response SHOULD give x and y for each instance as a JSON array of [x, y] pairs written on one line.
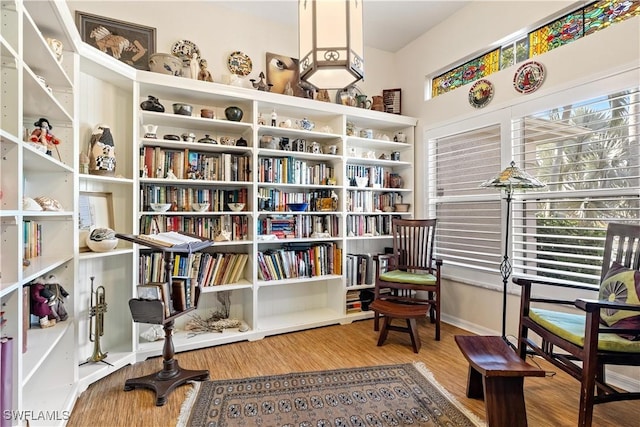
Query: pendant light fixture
[[330, 42]]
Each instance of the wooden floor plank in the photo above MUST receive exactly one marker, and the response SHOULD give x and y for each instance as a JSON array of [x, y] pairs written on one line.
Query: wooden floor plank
[[550, 401]]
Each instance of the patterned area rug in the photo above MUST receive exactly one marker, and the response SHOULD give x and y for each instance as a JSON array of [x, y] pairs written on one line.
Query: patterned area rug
[[393, 395]]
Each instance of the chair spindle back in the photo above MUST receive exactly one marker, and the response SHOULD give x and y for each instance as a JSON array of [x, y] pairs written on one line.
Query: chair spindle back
[[413, 242]]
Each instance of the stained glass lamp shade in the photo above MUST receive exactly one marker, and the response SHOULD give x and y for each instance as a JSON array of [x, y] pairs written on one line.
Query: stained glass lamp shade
[[513, 178]]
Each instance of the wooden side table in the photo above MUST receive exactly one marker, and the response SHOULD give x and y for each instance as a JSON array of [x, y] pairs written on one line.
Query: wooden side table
[[497, 373]]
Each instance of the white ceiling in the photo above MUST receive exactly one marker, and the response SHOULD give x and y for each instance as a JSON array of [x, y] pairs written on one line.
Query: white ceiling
[[388, 24]]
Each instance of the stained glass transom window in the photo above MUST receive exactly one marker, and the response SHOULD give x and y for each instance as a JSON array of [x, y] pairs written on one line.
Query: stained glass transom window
[[582, 22], [468, 72]]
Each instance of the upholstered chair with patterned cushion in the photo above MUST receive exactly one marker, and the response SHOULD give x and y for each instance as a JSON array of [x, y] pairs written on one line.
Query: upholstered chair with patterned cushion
[[583, 336]]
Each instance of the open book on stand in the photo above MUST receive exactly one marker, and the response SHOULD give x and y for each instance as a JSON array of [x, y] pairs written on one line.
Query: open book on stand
[[169, 241]]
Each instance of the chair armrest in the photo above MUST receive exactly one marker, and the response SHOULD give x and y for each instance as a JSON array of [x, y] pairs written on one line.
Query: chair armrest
[[532, 280], [592, 305]]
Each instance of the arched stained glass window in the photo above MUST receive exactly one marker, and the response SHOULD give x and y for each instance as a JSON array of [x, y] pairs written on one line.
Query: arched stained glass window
[[559, 32]]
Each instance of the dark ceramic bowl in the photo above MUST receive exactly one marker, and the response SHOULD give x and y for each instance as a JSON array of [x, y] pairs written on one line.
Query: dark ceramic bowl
[[182, 109], [233, 113]]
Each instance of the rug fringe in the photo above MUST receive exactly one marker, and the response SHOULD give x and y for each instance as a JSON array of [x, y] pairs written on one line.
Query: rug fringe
[[422, 368], [185, 409]]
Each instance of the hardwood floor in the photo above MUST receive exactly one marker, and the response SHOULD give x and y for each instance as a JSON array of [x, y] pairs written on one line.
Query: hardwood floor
[[550, 401]]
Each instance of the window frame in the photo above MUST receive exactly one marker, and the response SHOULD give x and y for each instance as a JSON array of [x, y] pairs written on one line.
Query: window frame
[[578, 92]]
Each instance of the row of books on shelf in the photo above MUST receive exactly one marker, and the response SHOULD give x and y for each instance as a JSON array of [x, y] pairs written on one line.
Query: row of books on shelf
[[32, 239], [377, 176], [359, 269], [158, 162], [277, 199], [203, 268], [236, 227], [177, 297], [288, 170], [354, 304], [299, 226], [299, 261], [182, 197], [215, 269], [369, 225], [370, 201]]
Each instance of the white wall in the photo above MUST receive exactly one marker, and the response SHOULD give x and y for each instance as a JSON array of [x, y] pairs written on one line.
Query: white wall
[[218, 31]]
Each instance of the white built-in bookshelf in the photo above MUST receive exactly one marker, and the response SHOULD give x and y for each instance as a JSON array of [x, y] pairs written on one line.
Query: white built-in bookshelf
[[300, 269]]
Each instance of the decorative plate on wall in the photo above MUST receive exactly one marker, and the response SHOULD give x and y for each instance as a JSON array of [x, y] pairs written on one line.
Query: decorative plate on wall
[[481, 93], [239, 63], [184, 49], [529, 77]]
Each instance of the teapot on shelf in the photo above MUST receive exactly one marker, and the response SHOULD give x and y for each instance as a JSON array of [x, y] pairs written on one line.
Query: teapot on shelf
[[306, 124], [363, 102]]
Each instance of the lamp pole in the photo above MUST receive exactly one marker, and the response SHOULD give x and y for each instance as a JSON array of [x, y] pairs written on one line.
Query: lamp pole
[[505, 265]]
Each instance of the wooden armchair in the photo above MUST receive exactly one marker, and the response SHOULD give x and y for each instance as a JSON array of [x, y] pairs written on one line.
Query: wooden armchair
[[583, 343], [410, 288]]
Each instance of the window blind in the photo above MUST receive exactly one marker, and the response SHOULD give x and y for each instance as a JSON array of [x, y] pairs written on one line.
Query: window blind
[[588, 155], [468, 232]]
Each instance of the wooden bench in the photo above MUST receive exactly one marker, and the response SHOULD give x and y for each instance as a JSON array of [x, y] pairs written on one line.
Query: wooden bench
[[497, 373]]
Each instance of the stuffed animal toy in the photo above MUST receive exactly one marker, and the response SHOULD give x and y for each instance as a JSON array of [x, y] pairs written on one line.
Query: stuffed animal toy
[[41, 301], [47, 300], [59, 293]]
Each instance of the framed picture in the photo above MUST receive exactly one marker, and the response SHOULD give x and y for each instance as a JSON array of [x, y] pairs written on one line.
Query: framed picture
[[127, 42], [95, 210], [284, 74], [391, 99]]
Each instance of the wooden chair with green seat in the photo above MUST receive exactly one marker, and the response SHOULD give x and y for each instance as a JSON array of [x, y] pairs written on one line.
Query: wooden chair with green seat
[[604, 331], [410, 288]]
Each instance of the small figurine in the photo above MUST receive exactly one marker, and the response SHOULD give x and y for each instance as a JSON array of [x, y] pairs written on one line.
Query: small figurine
[[274, 118], [145, 172], [262, 84], [171, 175], [193, 65], [323, 95], [42, 135], [204, 74], [261, 120], [288, 90], [102, 157]]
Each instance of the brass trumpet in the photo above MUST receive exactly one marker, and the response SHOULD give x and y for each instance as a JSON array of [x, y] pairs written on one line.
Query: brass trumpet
[[96, 322]]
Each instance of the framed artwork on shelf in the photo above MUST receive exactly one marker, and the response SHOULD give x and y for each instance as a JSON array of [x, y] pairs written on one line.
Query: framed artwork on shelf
[[391, 99], [283, 73], [95, 210], [125, 41]]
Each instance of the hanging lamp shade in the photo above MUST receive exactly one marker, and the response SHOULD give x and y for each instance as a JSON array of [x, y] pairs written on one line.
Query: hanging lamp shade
[[330, 42], [512, 178]]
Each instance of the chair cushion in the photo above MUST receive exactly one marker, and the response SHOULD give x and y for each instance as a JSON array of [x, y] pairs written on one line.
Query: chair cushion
[[621, 284], [570, 326], [400, 276]]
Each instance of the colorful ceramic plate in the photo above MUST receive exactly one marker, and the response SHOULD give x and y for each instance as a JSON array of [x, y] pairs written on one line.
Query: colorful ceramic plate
[[481, 93], [239, 63], [529, 77], [184, 49]]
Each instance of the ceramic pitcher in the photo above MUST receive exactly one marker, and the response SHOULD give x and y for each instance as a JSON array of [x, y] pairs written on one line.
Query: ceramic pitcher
[[378, 103]]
